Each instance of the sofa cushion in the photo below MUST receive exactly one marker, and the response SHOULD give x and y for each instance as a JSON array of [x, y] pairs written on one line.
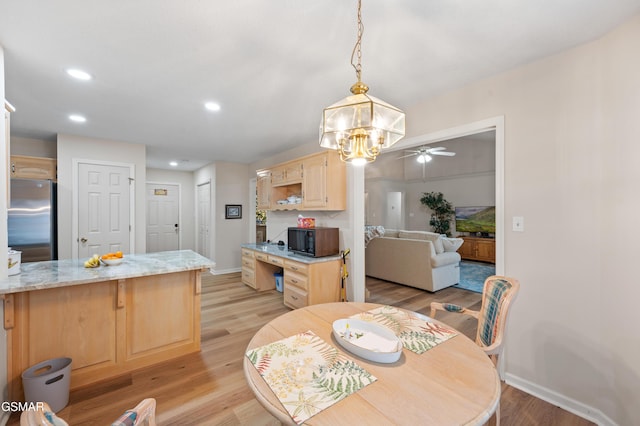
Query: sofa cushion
[[391, 233], [436, 239], [446, 258], [452, 244]]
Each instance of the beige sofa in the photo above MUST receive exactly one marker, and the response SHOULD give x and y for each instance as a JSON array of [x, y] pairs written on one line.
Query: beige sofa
[[415, 258]]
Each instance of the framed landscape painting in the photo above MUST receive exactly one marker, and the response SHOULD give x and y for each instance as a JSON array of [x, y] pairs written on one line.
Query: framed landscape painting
[[232, 211]]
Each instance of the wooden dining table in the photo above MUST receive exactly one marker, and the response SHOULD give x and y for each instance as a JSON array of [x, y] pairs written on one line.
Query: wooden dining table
[[453, 383]]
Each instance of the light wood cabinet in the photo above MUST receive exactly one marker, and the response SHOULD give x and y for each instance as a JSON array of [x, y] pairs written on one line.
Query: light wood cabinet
[[311, 284], [263, 188], [477, 248], [324, 184], [248, 268], [287, 174], [108, 328], [320, 179], [26, 167], [304, 283]]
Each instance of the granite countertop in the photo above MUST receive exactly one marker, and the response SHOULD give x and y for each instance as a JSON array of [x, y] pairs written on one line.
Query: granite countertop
[[62, 273], [282, 251]]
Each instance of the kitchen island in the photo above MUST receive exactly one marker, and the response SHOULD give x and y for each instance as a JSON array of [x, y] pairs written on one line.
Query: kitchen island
[[109, 320]]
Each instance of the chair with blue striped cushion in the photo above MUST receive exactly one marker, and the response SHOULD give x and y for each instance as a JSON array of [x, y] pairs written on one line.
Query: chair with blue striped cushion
[[497, 296]]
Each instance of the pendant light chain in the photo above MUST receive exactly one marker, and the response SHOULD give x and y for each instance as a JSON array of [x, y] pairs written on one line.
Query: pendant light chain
[[357, 49]]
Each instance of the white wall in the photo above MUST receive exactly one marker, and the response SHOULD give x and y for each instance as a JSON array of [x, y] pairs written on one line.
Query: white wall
[[187, 202], [231, 188], [33, 147], [571, 152], [468, 190], [72, 147]]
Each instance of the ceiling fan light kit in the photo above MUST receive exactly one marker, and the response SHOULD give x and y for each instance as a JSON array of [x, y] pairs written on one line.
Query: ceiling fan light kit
[[360, 126]]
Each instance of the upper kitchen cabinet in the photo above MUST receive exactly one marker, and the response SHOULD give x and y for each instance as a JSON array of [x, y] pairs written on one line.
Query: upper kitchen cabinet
[[26, 167], [287, 174], [324, 186], [263, 187], [314, 182]]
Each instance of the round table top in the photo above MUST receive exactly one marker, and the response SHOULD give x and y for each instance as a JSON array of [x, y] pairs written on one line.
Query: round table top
[[454, 383]]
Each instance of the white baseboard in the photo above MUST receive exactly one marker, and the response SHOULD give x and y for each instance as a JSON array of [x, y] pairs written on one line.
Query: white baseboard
[[562, 401], [225, 271]]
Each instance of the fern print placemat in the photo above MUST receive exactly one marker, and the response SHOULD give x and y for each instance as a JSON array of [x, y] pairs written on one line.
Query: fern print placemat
[[417, 334], [307, 374]]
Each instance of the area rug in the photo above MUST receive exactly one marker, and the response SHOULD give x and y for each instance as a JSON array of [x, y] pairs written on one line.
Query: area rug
[[473, 274]]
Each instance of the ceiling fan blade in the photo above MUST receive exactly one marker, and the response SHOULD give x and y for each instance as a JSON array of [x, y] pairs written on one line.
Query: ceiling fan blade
[[448, 154], [405, 156], [438, 148]]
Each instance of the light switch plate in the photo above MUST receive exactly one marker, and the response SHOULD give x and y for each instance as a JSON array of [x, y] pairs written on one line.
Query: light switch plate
[[518, 223]]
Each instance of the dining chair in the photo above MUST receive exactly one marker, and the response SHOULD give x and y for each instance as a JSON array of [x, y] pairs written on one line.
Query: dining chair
[[497, 296], [142, 414]]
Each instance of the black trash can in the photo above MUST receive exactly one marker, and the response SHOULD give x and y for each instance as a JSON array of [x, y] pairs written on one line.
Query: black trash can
[[48, 382]]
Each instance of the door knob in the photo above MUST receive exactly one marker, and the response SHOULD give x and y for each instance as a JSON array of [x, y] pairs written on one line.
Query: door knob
[[83, 240]]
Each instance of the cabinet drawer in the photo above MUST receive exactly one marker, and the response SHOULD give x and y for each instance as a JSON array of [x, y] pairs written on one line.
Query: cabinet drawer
[[293, 279], [248, 262], [294, 297], [248, 277], [297, 267], [262, 257], [247, 253], [275, 260]]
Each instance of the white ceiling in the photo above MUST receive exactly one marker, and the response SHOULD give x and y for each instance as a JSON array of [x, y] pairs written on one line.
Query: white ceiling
[[272, 65]]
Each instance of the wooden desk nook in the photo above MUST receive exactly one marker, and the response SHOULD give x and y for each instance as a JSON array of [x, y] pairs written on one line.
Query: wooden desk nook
[[108, 320], [307, 280], [453, 383]]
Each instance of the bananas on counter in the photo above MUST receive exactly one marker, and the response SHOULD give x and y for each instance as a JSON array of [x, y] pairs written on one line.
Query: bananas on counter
[[94, 262]]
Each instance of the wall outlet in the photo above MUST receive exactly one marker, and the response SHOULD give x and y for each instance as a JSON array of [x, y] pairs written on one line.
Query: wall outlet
[[518, 223]]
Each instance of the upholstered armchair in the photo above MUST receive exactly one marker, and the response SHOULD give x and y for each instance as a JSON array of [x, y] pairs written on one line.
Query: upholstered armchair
[[497, 295]]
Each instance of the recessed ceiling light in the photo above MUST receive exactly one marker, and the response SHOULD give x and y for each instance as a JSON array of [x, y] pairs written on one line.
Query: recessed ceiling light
[[173, 163], [79, 74], [212, 106], [77, 118]]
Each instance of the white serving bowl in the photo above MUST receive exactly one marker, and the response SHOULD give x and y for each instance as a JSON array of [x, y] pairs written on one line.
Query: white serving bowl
[[368, 340], [111, 262]]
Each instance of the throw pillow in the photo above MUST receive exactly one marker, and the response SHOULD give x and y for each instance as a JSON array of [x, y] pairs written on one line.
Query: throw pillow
[[452, 244], [438, 244]]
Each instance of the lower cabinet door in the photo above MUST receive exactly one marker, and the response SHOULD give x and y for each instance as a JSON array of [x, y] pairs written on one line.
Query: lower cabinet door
[[294, 297]]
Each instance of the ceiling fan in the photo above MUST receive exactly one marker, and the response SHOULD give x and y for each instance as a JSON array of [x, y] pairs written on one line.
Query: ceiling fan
[[424, 153]]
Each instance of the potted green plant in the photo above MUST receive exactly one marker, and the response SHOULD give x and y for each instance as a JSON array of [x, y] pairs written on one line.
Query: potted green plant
[[441, 212]]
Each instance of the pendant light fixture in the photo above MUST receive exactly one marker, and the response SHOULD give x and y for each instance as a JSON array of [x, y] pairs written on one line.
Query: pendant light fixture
[[360, 126]]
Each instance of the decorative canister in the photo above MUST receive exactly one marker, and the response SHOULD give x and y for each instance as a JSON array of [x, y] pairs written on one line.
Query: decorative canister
[[13, 266]]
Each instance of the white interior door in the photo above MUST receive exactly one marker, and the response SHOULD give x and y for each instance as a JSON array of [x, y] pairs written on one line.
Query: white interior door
[[104, 209], [163, 221], [394, 210], [203, 218]]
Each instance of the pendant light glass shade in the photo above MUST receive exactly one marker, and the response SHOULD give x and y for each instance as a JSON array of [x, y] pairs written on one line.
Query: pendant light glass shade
[[360, 126]]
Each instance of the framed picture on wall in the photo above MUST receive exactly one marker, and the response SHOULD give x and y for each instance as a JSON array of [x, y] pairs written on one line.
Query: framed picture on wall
[[232, 211]]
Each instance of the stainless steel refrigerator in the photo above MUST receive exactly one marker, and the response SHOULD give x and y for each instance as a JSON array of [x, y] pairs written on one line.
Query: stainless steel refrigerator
[[32, 223]]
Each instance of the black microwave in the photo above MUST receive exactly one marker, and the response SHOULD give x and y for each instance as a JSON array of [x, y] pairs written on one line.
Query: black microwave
[[314, 242]]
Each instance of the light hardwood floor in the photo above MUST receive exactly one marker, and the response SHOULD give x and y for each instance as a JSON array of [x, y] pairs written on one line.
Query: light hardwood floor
[[209, 388]]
